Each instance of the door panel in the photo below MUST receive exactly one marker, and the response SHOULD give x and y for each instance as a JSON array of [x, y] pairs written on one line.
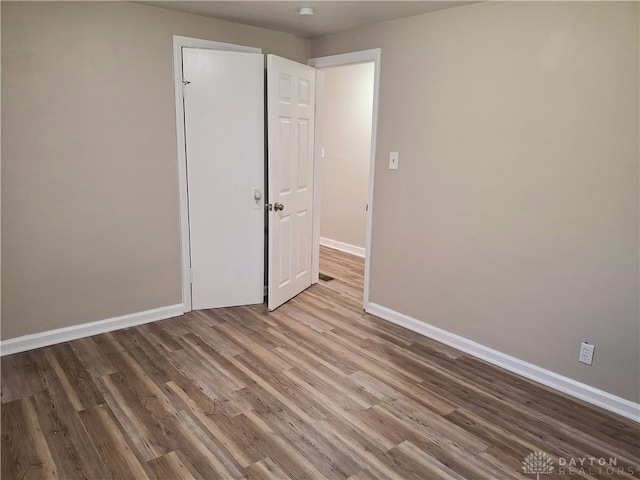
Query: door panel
[[224, 130], [290, 117]]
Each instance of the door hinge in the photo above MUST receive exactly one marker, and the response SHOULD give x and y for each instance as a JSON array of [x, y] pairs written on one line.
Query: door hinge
[[184, 85], [191, 275], [366, 208]]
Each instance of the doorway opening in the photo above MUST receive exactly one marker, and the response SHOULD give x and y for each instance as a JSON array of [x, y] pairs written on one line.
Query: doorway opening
[[346, 152], [347, 103]]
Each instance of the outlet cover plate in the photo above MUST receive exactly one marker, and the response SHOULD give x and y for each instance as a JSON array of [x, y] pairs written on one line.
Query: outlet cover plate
[[586, 353]]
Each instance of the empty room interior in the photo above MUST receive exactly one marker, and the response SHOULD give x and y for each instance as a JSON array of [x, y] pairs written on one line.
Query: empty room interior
[[328, 239]]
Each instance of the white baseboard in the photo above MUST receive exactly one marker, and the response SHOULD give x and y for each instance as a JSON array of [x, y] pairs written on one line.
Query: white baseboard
[[59, 335], [343, 247], [566, 385]]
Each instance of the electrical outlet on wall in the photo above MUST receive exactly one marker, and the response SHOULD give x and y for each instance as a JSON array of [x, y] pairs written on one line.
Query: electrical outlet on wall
[[586, 353]]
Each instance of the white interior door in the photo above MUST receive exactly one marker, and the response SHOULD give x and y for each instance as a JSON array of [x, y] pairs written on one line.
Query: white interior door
[[290, 111], [224, 133]]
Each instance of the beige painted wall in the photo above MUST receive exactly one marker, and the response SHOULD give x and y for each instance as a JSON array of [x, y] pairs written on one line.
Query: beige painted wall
[[90, 211], [513, 219], [346, 138]]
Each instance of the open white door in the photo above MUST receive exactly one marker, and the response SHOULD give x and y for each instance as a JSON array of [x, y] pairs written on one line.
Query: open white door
[[224, 133], [290, 119]]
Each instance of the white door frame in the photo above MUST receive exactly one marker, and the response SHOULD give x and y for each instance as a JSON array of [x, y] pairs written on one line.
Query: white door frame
[[363, 56], [178, 43]]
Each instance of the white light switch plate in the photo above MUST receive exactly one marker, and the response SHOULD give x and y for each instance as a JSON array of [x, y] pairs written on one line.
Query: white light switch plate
[[393, 160]]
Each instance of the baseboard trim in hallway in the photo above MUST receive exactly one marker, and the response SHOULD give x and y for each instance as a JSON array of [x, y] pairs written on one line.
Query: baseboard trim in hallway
[[343, 247]]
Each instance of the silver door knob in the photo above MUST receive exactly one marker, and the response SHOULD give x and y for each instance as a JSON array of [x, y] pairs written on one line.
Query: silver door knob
[[278, 207]]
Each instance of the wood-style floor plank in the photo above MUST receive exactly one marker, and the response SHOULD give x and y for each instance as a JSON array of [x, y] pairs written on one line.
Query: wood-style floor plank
[[172, 466], [317, 389], [25, 453], [111, 444]]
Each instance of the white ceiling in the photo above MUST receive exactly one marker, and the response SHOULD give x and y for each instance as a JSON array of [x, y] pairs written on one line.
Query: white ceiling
[[330, 16]]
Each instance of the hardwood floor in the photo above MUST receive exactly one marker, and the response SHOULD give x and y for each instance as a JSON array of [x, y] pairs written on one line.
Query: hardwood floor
[[317, 389]]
